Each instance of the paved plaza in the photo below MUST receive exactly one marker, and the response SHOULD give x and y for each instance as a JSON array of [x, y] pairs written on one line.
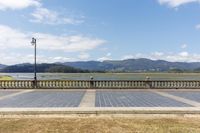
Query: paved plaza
[[135, 99], [98, 98]]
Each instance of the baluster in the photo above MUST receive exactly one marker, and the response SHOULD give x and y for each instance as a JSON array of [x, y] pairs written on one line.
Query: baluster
[[6, 84], [44, 85], [100, 84], [193, 84], [85, 84], [76, 84], [3, 84], [9, 84], [107, 84], [49, 84], [103, 84], [66, 84], [79, 85], [196, 84], [57, 84], [63, 84], [20, 82], [178, 84], [187, 84], [69, 84], [113, 84], [28, 83], [156, 84], [52, 84], [135, 84], [25, 84]]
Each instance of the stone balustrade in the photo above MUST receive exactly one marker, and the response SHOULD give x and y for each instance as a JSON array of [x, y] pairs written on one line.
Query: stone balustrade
[[99, 84]]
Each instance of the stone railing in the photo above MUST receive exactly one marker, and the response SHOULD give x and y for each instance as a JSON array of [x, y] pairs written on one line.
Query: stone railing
[[99, 84]]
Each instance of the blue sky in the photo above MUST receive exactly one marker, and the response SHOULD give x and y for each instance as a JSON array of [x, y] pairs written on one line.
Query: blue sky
[[81, 30]]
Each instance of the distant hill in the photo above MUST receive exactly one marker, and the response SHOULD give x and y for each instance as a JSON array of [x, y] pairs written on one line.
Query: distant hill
[[134, 65], [90, 65], [2, 66], [130, 65], [52, 68]]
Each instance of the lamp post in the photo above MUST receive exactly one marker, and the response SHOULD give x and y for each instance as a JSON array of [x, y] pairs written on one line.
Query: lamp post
[[33, 42]]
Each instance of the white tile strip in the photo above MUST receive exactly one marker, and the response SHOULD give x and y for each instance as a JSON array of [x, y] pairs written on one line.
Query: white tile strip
[[88, 99], [15, 94], [177, 98]]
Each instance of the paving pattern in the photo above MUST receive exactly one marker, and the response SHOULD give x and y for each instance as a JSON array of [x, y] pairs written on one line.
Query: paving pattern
[[134, 99], [44, 99], [7, 92], [97, 98], [191, 95]]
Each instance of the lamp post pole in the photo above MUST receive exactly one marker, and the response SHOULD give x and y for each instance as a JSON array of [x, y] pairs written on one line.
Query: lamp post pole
[[33, 42]]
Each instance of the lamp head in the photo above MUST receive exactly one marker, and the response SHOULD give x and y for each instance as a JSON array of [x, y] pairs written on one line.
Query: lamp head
[[33, 42]]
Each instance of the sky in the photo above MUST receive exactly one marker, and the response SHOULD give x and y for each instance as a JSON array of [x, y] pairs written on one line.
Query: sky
[[82, 30]]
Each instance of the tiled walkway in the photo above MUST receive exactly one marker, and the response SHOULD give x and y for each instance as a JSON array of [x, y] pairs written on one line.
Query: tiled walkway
[[96, 98]]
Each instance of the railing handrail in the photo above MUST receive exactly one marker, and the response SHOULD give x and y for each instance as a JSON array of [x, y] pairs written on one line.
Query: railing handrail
[[106, 80]]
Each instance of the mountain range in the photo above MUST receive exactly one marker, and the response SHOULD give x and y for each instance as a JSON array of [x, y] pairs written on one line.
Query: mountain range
[[2, 66], [41, 68], [129, 65], [134, 65]]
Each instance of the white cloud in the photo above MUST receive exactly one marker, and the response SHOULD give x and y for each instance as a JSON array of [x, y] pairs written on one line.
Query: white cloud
[[18, 4], [158, 53], [176, 3], [40, 14], [184, 54], [45, 59], [46, 16], [183, 46], [10, 58], [106, 57], [75, 43], [16, 40], [84, 56], [197, 27], [125, 57], [12, 38], [108, 54], [129, 56]]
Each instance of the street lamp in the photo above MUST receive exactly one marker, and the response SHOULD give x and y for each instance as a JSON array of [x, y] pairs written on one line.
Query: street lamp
[[33, 42]]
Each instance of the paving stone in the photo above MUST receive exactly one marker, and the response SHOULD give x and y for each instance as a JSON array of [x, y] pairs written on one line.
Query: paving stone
[[44, 99], [134, 99], [7, 92], [191, 95]]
